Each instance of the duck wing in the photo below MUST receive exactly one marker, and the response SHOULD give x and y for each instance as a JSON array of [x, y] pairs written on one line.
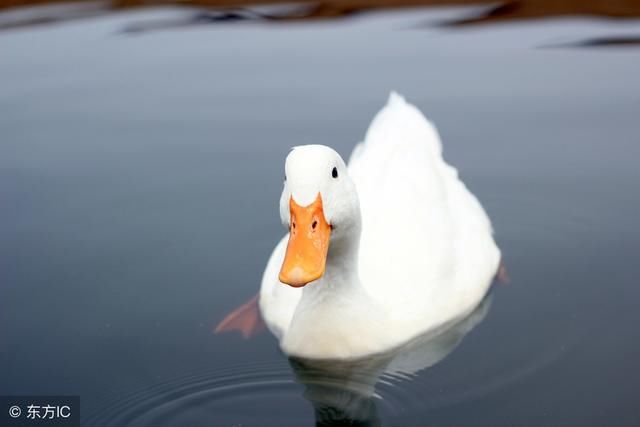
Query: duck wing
[[416, 218]]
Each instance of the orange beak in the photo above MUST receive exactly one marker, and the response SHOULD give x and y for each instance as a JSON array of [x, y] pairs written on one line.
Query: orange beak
[[308, 244]]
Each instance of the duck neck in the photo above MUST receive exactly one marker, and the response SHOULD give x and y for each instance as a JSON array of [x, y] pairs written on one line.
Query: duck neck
[[341, 268], [336, 317]]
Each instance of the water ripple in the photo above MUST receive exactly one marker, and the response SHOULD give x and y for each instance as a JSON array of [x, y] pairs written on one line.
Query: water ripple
[[395, 385], [176, 401]]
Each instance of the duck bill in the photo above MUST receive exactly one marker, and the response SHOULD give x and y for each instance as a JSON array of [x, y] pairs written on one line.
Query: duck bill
[[309, 235]]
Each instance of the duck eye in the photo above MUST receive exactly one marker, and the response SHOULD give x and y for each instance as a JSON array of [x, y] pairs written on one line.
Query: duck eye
[[334, 172]]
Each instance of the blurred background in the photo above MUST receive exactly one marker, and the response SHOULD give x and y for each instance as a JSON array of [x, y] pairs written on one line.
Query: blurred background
[[141, 161]]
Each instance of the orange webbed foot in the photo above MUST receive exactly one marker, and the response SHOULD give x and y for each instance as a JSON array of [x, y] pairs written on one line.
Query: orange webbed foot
[[245, 319]]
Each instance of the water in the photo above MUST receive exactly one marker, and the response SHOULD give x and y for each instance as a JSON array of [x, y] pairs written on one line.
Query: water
[[139, 180]]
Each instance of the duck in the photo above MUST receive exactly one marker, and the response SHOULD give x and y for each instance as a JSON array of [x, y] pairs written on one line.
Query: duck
[[379, 250]]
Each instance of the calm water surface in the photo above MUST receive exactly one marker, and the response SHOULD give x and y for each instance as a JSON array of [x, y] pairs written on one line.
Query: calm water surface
[[139, 182]]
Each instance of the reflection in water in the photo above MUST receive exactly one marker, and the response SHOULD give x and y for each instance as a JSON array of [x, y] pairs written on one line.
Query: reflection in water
[[344, 392], [341, 392], [22, 13], [611, 41]]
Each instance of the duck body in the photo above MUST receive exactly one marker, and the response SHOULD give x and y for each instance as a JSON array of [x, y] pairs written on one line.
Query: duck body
[[411, 248]]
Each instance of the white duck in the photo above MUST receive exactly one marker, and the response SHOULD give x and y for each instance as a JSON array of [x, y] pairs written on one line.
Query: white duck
[[388, 247]]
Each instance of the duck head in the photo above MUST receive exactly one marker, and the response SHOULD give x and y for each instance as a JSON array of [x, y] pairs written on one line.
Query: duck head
[[319, 206]]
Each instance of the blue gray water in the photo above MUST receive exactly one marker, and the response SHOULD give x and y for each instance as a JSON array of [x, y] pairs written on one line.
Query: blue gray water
[[139, 179]]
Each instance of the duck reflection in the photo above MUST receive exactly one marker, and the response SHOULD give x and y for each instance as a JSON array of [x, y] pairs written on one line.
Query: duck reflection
[[343, 392]]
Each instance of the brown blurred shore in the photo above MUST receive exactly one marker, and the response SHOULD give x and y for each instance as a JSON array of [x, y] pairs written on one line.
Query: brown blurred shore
[[15, 13]]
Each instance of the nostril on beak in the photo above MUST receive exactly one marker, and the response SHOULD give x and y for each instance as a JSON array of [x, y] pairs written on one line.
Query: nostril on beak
[[314, 225]]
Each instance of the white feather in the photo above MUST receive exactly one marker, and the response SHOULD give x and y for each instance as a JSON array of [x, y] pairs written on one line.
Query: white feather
[[426, 255]]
